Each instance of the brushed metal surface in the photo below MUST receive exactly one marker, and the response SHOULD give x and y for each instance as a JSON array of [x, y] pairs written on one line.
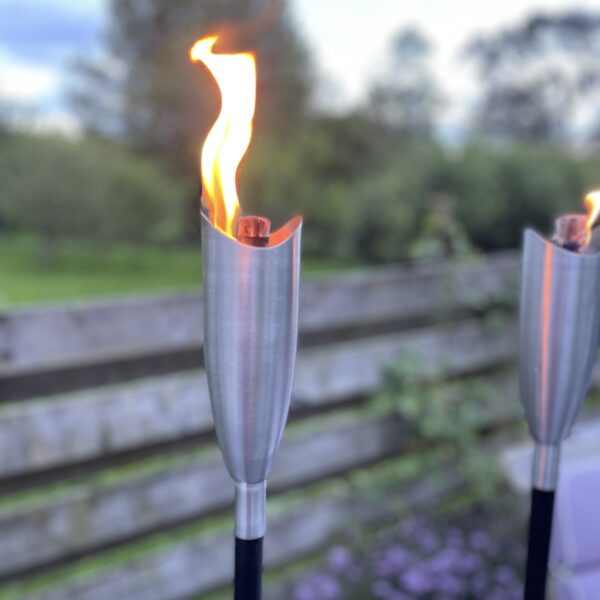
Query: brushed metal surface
[[250, 510], [559, 334], [544, 472], [250, 339]]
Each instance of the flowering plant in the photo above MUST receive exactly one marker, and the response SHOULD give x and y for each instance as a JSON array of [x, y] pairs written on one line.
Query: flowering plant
[[417, 561]]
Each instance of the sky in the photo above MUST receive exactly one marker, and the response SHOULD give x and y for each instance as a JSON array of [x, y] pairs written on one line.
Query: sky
[[38, 40], [346, 38]]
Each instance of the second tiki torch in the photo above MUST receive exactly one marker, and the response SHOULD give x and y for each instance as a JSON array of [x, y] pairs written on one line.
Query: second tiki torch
[[559, 335]]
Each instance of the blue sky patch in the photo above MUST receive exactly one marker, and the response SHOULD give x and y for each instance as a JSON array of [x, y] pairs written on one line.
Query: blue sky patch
[[46, 32]]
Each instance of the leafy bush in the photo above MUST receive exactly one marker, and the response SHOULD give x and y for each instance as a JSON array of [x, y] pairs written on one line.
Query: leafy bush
[[365, 195], [86, 189], [360, 199], [501, 190], [371, 198]]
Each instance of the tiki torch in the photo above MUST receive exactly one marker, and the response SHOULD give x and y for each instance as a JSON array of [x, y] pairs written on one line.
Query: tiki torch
[[559, 336], [251, 283]]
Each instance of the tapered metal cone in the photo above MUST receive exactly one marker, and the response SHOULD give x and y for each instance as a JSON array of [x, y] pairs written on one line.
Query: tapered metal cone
[[559, 335], [250, 340]]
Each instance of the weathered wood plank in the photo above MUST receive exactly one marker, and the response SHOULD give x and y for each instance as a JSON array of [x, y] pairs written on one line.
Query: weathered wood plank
[[203, 564], [94, 517], [58, 432], [47, 338], [40, 435], [198, 565], [85, 333]]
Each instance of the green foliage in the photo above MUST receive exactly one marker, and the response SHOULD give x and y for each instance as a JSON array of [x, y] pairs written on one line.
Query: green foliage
[[365, 197], [501, 190], [312, 173], [449, 413], [90, 190], [362, 197]]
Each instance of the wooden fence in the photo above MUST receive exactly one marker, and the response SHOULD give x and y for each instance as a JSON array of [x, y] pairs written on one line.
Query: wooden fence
[[111, 483]]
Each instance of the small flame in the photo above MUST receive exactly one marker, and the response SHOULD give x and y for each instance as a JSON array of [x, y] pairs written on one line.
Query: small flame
[[592, 205], [230, 136]]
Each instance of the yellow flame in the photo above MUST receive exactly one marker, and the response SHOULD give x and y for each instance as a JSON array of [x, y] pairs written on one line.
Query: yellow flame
[[230, 136], [592, 205]]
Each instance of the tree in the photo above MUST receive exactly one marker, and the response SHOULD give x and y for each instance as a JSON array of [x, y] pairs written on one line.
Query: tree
[[96, 97], [147, 91], [539, 78], [61, 189], [406, 98]]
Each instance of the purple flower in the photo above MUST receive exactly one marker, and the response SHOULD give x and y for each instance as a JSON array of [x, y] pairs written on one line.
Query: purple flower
[[414, 561], [354, 573], [318, 586], [479, 584], [455, 538], [305, 591], [428, 541], [328, 587], [416, 582], [384, 590], [505, 575], [479, 540], [449, 585], [391, 561], [504, 594], [340, 559], [468, 563], [409, 527]]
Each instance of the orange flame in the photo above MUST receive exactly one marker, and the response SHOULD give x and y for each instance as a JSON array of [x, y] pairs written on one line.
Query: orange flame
[[230, 136], [592, 205]]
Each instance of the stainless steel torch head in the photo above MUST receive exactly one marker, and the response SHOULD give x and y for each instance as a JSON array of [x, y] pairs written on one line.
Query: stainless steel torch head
[[559, 335], [250, 340]]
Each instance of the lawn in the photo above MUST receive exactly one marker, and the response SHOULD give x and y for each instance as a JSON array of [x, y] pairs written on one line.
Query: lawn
[[85, 271]]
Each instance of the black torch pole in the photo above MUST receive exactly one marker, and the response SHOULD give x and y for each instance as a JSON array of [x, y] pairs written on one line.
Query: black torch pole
[[538, 550], [248, 569]]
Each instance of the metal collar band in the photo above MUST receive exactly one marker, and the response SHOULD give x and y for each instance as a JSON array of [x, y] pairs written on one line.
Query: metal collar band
[[250, 510]]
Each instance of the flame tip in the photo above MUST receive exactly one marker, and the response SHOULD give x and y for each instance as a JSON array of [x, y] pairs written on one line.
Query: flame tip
[[202, 47], [592, 205], [230, 136]]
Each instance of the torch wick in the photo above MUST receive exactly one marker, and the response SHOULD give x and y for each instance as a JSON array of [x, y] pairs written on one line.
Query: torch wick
[[254, 231], [571, 232]]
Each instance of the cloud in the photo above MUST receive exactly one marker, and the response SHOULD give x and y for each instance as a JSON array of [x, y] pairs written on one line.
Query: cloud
[[45, 32], [25, 83], [32, 100]]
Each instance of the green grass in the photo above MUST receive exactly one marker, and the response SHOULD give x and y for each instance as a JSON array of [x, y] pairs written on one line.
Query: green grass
[[86, 271]]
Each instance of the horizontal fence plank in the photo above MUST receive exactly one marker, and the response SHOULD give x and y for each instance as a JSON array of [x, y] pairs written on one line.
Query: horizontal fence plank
[[39, 435], [198, 565], [380, 315], [84, 333], [96, 517], [87, 518]]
